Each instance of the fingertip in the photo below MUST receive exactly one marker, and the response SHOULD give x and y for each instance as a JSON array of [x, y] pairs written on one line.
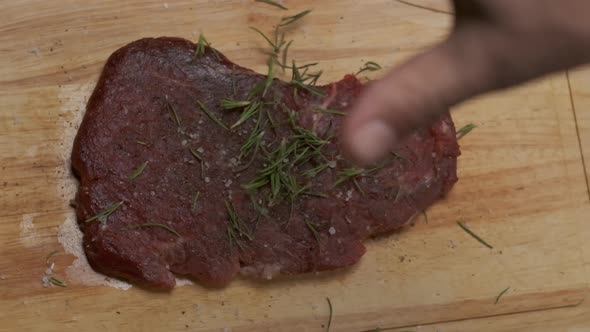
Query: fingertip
[[369, 142]]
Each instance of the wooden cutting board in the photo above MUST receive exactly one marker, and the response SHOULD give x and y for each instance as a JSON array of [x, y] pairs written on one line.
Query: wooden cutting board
[[522, 184]]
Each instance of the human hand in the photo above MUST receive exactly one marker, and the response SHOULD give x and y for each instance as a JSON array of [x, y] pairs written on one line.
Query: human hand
[[493, 44]]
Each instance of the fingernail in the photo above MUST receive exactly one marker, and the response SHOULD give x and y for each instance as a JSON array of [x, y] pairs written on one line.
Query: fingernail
[[372, 141]]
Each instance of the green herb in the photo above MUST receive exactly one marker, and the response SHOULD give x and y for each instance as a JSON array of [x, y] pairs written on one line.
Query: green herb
[[231, 104], [501, 294], [248, 112], [236, 229], [291, 19], [285, 50], [212, 116], [49, 255], [313, 172], [351, 173], [425, 216], [299, 79], [57, 282], [272, 3], [200, 50], [104, 215], [468, 231], [141, 142], [201, 161], [313, 228], [194, 207], [465, 130], [174, 113], [138, 171], [276, 44], [151, 224], [329, 111], [330, 315], [369, 66], [253, 142]]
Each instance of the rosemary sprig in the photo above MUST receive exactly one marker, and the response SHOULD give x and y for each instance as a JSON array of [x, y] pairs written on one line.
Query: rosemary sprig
[[253, 141], [313, 229], [57, 282], [501, 294], [291, 19], [329, 111], [299, 79], [465, 130], [104, 215], [195, 199], [468, 231], [276, 44], [174, 113], [330, 314], [369, 66], [212, 116], [152, 224], [229, 104], [272, 3], [248, 112], [285, 51], [137, 172], [313, 172]]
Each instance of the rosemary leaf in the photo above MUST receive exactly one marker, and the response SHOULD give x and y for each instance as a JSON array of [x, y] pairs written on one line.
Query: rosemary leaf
[[229, 104], [291, 19], [313, 229], [272, 3], [174, 113], [501, 294], [151, 224], [137, 172], [270, 42], [465, 130], [57, 282], [247, 114], [468, 231], [200, 50], [141, 142], [369, 66], [212, 116], [195, 199], [103, 216], [329, 111], [49, 255], [330, 314]]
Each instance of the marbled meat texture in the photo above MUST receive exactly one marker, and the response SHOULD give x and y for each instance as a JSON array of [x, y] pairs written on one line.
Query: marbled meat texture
[[145, 112]]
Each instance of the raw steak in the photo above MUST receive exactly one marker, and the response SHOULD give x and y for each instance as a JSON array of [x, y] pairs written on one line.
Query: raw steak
[[163, 177]]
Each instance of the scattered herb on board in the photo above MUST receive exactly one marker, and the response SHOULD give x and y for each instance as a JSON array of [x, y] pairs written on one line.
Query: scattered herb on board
[[468, 231], [104, 215], [465, 130], [329, 111], [49, 255], [57, 282], [369, 66], [137, 172], [330, 315], [291, 19], [152, 224], [212, 116], [195, 199], [272, 3], [501, 294]]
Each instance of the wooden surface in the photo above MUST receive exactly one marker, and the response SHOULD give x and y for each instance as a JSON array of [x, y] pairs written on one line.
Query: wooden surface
[[522, 186]]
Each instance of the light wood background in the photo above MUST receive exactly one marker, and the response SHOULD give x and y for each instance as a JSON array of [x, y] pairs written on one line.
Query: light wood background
[[522, 187]]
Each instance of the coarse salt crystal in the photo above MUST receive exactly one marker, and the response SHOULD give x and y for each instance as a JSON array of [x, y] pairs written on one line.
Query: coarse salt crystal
[[332, 230]]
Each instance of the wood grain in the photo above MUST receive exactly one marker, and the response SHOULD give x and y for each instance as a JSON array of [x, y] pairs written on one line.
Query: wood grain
[[522, 182]]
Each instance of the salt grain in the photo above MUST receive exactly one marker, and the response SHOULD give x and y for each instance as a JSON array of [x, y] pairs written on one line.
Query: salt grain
[[332, 230], [207, 180]]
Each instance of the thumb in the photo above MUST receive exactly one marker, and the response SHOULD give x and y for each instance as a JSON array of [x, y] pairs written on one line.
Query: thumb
[[410, 96]]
